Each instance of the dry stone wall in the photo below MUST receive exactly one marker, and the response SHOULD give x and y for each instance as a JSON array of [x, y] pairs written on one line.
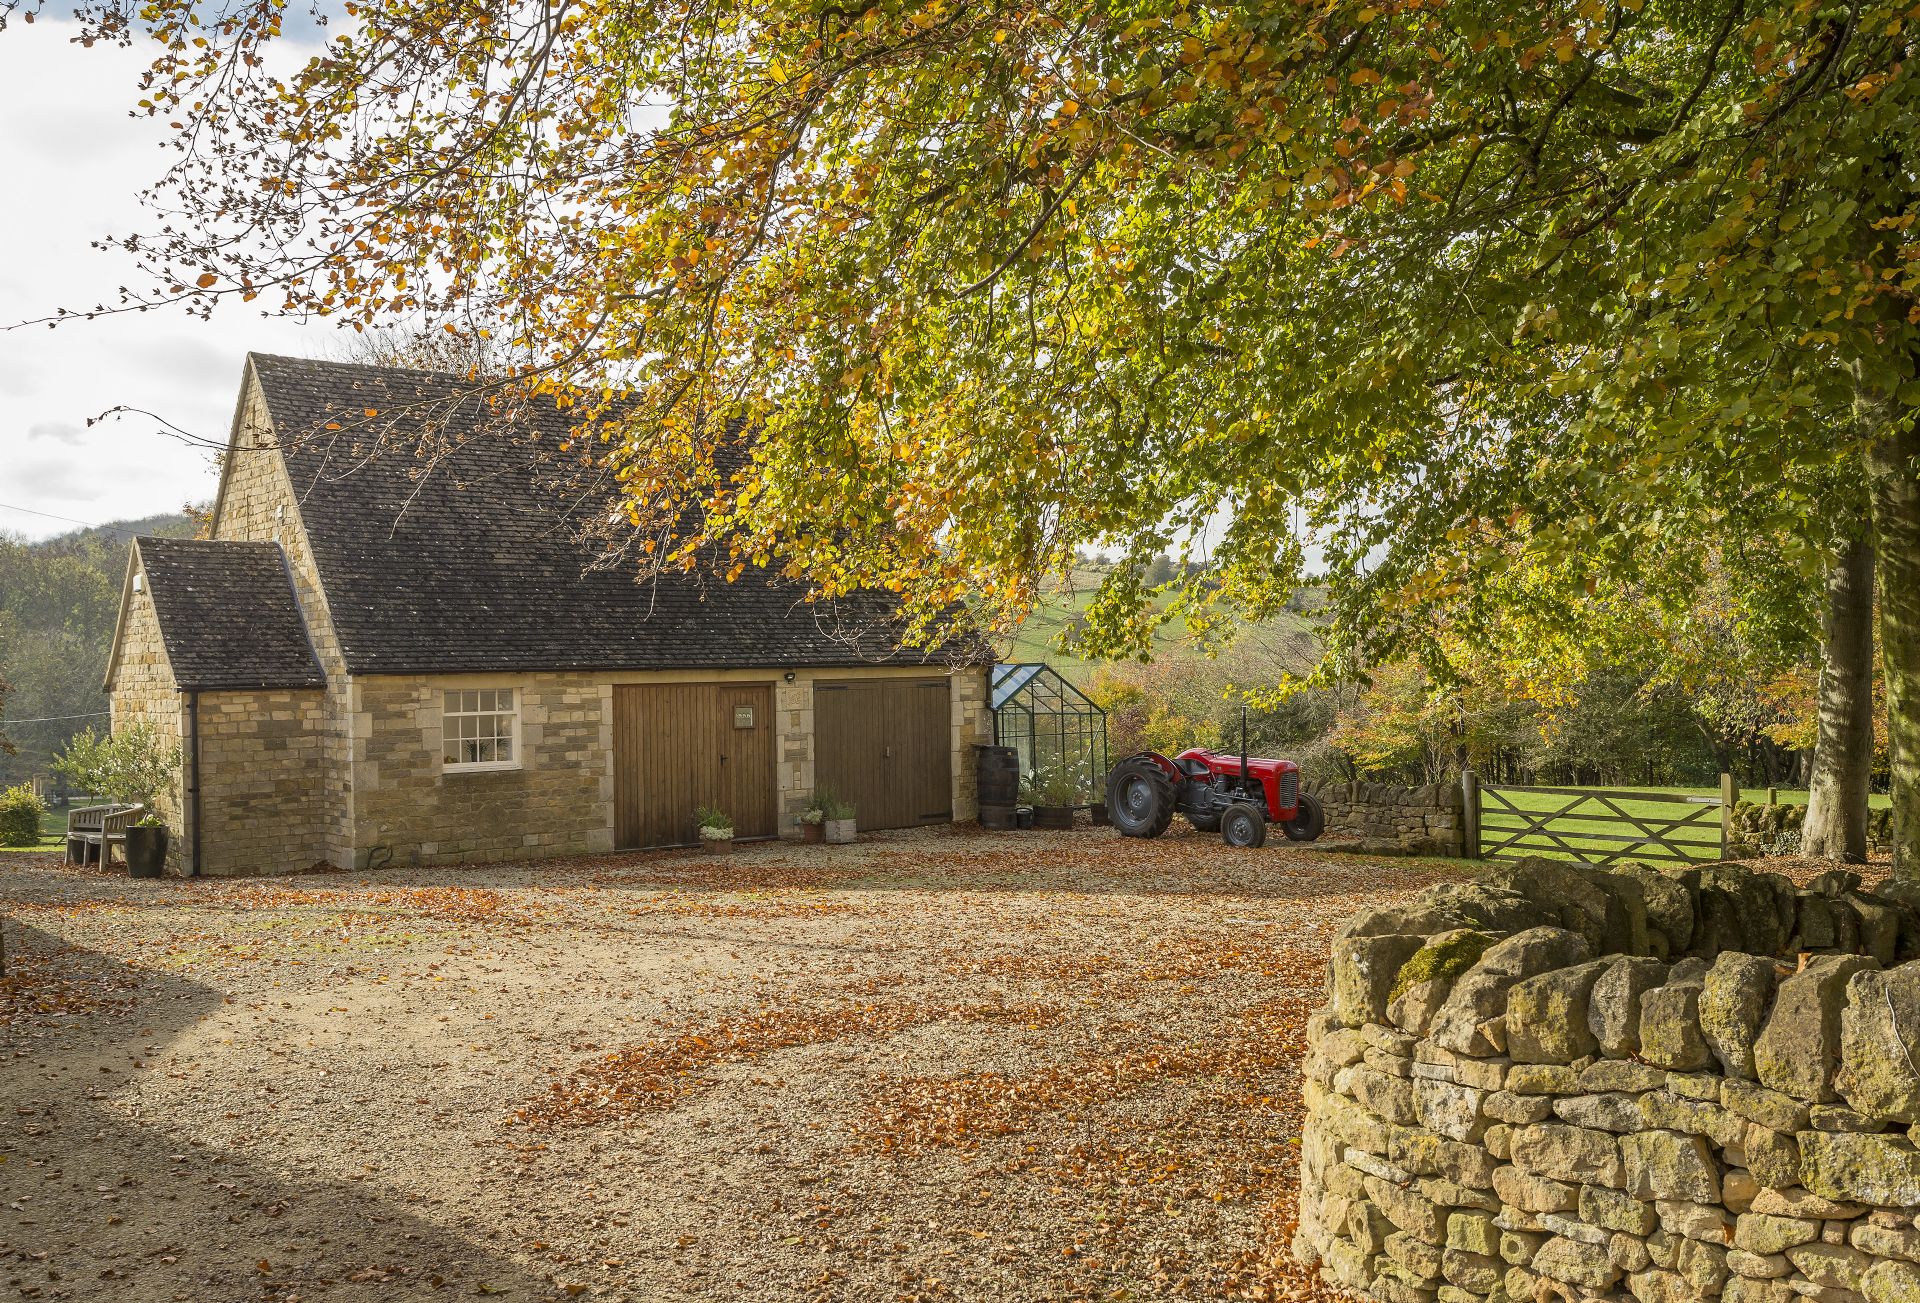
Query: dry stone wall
[[1566, 1084], [1775, 828], [1391, 820]]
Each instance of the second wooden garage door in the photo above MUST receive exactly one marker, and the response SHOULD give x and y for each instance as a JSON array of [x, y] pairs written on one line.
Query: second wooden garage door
[[885, 745], [681, 745]]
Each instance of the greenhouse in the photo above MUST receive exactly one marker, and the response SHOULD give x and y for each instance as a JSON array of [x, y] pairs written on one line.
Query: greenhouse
[[1050, 724]]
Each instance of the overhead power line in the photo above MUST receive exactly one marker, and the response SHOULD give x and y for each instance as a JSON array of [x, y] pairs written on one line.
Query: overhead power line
[[55, 719], [69, 519]]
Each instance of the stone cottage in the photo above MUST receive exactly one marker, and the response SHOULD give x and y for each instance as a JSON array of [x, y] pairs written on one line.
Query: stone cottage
[[394, 648]]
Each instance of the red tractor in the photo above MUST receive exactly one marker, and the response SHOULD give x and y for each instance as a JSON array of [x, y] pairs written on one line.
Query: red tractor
[[1234, 796]]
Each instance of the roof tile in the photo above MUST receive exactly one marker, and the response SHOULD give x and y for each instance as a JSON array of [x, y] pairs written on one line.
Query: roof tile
[[227, 614], [443, 547]]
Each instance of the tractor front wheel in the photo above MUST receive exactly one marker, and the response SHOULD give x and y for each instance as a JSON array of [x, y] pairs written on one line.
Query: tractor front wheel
[[1243, 824], [1139, 798], [1308, 822]]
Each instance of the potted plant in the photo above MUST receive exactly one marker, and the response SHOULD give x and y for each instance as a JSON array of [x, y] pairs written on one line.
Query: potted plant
[[147, 846], [715, 828], [837, 821], [133, 766], [813, 819], [1053, 793]]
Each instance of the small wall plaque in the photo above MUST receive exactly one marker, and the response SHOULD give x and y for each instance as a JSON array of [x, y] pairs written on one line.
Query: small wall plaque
[[743, 716]]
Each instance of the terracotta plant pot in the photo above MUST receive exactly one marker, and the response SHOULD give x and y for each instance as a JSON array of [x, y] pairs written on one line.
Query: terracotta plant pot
[[838, 831], [146, 850], [813, 832]]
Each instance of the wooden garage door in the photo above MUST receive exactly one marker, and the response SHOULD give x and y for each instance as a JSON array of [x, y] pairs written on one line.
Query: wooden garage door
[[886, 746], [681, 745]]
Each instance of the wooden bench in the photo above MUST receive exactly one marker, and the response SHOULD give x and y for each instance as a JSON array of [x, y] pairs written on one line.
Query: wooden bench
[[94, 830]]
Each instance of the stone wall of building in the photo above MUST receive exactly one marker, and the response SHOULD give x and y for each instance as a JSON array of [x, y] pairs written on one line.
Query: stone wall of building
[[257, 502], [1391, 820], [142, 690], [972, 697], [1568, 1084], [560, 800], [407, 809], [262, 753]]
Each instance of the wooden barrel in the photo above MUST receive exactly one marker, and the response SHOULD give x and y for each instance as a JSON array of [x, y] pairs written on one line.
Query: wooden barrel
[[997, 775], [998, 817]]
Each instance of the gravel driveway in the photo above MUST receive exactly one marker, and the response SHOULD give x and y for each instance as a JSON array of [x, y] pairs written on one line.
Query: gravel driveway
[[935, 1065]]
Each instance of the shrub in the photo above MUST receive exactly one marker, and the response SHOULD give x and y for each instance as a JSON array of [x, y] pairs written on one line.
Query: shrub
[[20, 813], [133, 766]]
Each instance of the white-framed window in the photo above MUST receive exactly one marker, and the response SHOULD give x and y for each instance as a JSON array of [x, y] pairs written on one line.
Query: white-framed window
[[479, 729]]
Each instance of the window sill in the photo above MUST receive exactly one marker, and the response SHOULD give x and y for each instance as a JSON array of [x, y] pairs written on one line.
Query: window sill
[[457, 770]]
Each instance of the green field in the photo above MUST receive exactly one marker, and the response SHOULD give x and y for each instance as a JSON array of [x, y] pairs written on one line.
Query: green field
[[1703, 833], [1289, 641]]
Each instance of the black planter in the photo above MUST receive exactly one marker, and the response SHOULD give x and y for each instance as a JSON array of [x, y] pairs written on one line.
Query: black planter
[[146, 850], [1057, 817]]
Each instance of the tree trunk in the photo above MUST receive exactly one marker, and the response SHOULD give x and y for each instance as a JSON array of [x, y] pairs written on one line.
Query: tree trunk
[[1836, 827], [1893, 480]]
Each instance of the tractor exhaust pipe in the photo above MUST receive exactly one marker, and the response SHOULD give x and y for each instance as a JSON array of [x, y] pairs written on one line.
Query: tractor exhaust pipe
[[1246, 768]]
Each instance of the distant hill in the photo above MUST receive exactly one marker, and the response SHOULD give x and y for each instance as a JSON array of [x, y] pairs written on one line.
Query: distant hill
[[1289, 642], [59, 598]]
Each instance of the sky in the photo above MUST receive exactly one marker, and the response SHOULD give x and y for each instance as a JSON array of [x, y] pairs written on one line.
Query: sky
[[74, 164]]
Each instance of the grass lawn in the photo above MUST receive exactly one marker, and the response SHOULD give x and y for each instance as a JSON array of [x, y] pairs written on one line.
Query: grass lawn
[[1757, 795], [1703, 833], [938, 1065]]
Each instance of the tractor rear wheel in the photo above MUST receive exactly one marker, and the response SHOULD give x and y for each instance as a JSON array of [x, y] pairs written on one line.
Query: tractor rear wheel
[[1243, 824], [1308, 822], [1139, 798]]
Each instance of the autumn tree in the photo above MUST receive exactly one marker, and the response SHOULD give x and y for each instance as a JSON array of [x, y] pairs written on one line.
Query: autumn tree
[[1416, 283]]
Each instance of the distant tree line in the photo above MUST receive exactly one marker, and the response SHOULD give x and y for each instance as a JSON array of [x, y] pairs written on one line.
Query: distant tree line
[[59, 599], [1657, 701]]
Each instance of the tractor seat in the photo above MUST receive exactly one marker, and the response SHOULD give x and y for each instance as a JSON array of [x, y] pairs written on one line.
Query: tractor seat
[[1193, 768]]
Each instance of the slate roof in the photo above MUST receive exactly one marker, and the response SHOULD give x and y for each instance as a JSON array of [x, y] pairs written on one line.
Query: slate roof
[[443, 546], [227, 614]]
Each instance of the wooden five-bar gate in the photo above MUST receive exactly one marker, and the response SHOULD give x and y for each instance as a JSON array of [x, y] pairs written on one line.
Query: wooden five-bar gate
[[1596, 827]]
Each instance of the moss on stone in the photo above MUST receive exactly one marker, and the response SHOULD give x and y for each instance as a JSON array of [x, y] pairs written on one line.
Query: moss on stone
[[1444, 958]]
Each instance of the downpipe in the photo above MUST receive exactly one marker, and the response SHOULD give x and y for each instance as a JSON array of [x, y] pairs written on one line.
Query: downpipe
[[193, 791]]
